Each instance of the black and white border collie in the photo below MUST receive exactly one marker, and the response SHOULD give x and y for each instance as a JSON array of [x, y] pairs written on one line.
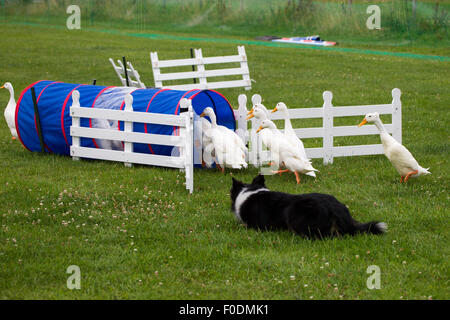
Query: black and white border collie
[[313, 215]]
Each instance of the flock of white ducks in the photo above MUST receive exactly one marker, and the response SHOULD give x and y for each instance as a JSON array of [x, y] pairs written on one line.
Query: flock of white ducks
[[224, 147], [286, 148]]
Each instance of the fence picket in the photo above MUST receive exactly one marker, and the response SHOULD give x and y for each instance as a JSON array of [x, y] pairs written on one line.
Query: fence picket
[[327, 127], [75, 123]]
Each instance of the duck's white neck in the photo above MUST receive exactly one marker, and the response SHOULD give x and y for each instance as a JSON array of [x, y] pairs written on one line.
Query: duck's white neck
[[287, 119], [213, 118], [12, 101], [380, 126]]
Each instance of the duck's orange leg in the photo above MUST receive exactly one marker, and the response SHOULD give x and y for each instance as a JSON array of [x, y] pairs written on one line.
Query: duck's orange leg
[[401, 179], [297, 177], [220, 168], [410, 173], [280, 171]]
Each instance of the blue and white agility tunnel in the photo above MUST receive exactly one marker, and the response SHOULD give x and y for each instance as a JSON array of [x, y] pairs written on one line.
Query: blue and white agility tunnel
[[55, 98]]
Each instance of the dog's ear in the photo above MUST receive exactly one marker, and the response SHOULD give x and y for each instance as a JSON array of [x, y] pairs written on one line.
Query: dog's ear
[[259, 180], [236, 183]]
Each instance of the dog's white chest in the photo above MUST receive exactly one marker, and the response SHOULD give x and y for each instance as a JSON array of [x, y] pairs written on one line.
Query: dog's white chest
[[241, 198]]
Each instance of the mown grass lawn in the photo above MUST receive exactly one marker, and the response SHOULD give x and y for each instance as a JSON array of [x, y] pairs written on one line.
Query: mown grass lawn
[[135, 232]]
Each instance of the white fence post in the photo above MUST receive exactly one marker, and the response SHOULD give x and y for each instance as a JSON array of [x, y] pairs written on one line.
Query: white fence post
[[244, 66], [75, 123], [128, 127], [188, 133], [256, 99], [327, 127], [255, 152], [201, 69], [397, 115], [156, 69], [241, 115]]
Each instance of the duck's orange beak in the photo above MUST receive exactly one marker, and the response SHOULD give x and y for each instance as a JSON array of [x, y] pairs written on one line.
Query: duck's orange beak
[[250, 112], [2, 87], [203, 114], [250, 116], [259, 129], [274, 110], [362, 123]]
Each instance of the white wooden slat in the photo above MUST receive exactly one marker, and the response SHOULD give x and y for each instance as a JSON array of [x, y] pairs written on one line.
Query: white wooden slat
[[327, 123], [195, 61], [306, 133], [343, 131], [397, 115], [241, 115], [314, 153], [155, 68], [224, 59], [174, 63], [225, 72], [361, 110], [128, 128], [189, 146], [138, 158], [201, 67], [198, 74], [299, 113], [136, 137], [244, 66], [210, 85], [122, 115], [360, 150], [75, 120]]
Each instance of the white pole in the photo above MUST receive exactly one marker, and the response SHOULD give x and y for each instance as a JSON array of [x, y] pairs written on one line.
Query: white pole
[[327, 127]]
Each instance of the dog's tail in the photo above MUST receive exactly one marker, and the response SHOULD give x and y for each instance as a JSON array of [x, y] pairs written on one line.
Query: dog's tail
[[372, 227]]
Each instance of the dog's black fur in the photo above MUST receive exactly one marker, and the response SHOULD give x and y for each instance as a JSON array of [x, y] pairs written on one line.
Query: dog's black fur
[[313, 215]]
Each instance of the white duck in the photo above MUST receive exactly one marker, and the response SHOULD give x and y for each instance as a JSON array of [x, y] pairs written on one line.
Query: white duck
[[290, 134], [261, 107], [228, 148], [10, 111], [283, 150], [399, 156], [208, 147], [259, 111]]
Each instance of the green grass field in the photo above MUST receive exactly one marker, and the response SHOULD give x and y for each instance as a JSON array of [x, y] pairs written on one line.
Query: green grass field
[[136, 233]]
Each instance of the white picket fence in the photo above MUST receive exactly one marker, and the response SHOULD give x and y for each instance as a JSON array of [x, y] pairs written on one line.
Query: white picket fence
[[184, 141], [188, 141], [134, 79], [201, 73], [328, 112]]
